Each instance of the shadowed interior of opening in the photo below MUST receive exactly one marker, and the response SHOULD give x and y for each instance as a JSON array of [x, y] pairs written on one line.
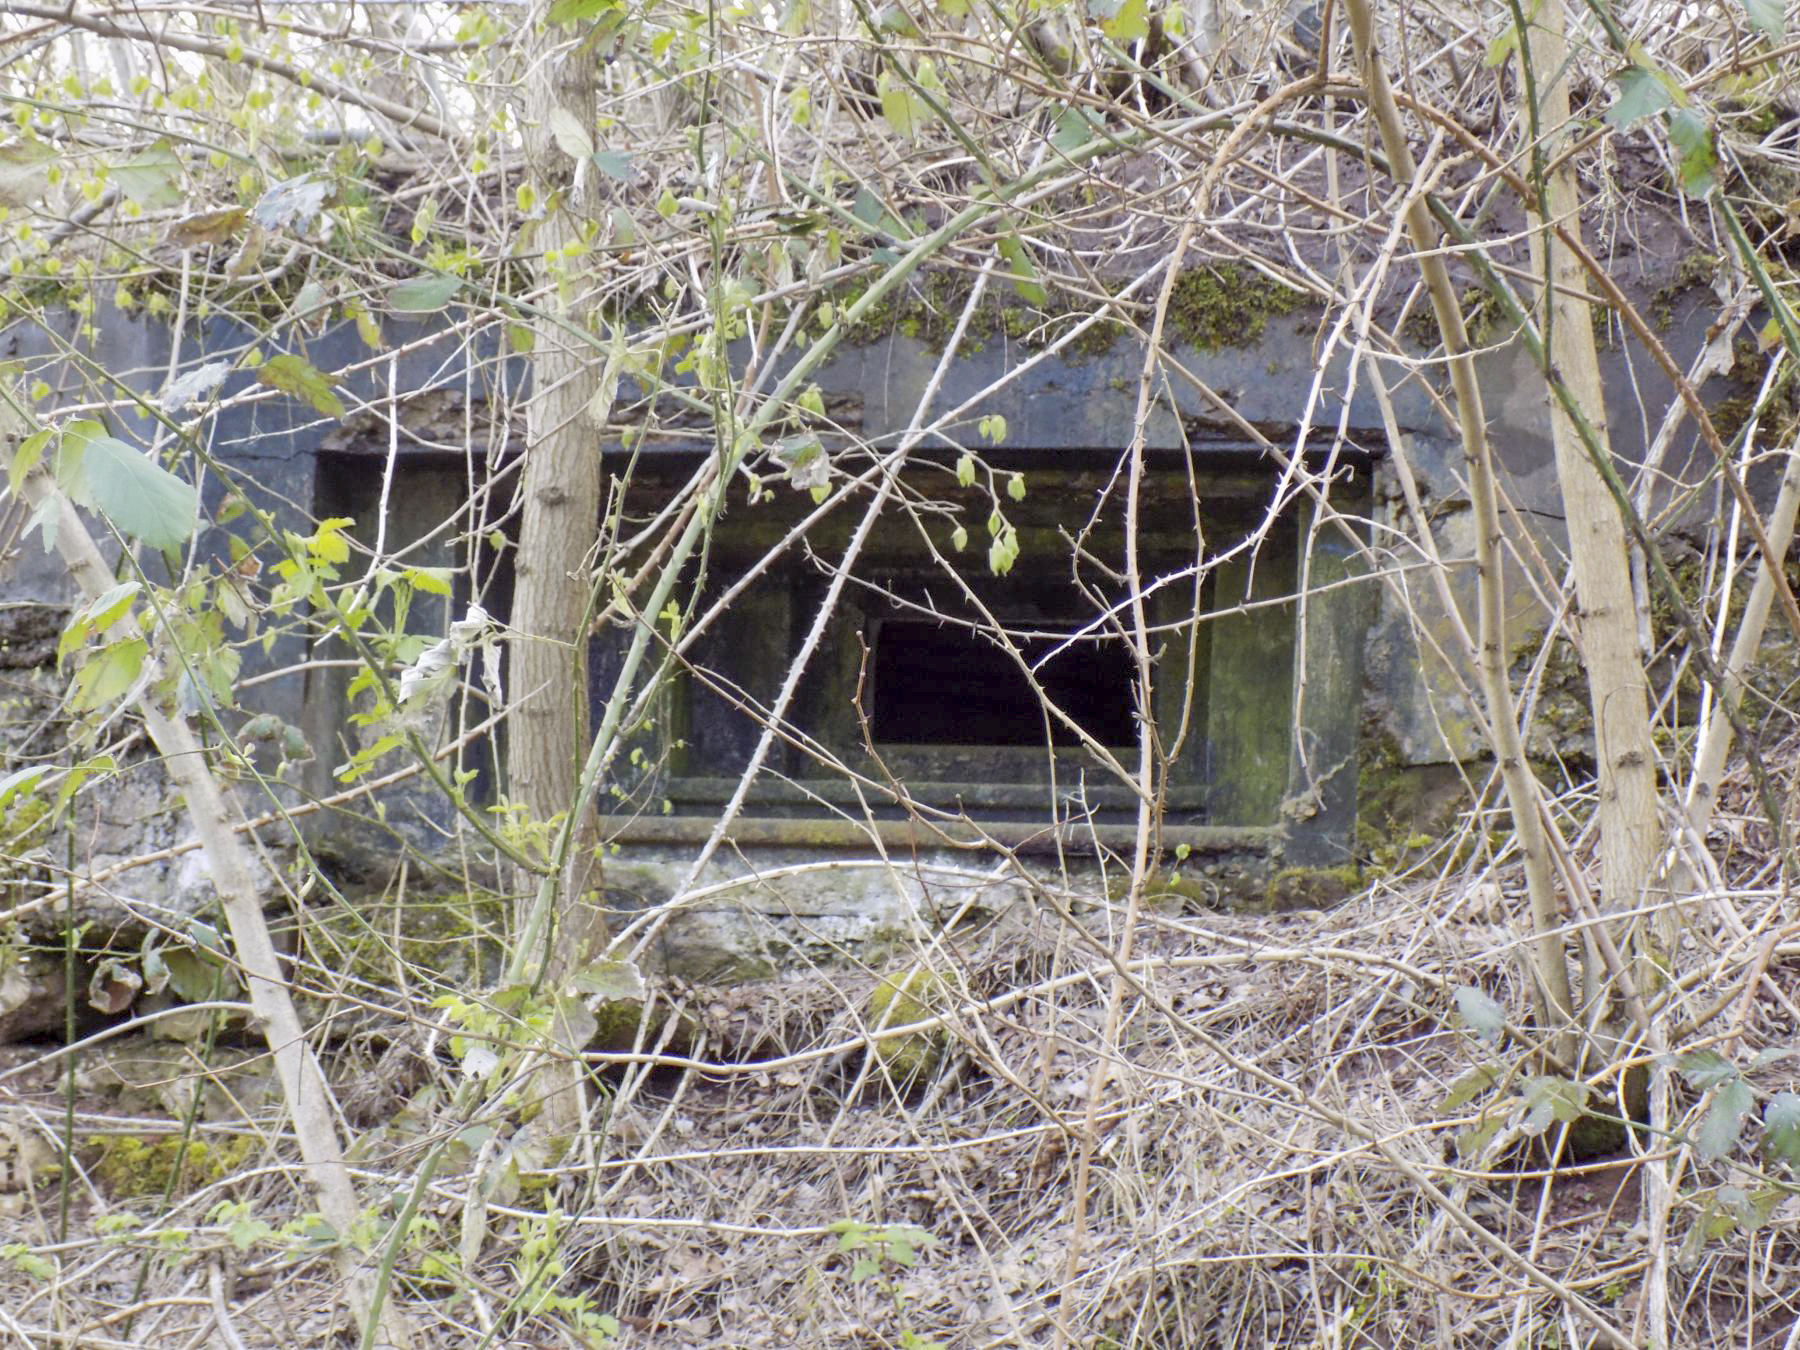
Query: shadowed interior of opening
[[944, 684]]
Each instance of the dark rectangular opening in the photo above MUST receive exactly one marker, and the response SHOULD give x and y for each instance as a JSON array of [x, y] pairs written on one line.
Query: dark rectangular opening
[[947, 684]]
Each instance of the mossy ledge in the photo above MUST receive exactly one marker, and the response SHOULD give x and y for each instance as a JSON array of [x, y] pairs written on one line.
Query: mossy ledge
[[1213, 306]]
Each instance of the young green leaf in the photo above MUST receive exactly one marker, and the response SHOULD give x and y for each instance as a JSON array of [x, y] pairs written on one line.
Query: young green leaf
[[578, 11], [108, 674], [295, 375], [1024, 272], [19, 781], [1696, 159], [905, 110], [26, 458], [1122, 20]]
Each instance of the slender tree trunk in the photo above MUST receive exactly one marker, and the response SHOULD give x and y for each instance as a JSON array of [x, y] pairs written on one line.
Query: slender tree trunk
[[548, 728], [1598, 548], [217, 818], [1548, 965]]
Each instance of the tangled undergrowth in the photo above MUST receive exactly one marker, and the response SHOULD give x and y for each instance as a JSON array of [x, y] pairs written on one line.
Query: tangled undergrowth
[[1329, 1128]]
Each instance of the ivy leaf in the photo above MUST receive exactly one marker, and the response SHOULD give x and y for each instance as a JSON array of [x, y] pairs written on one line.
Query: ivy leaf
[[1024, 272], [1695, 157], [1643, 92], [1718, 1132], [1768, 17], [424, 295], [1486, 1018], [1781, 1122], [295, 375], [140, 497]]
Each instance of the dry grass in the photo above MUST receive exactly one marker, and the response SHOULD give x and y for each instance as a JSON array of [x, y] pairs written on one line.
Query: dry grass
[[1277, 1162]]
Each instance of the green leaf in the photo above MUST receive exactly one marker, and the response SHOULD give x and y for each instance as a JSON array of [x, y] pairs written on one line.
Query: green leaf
[[1553, 1099], [152, 178], [424, 295], [1074, 129], [195, 975], [1781, 1120], [615, 164], [1705, 1069], [1768, 17], [108, 674], [1126, 21], [140, 497], [1024, 273], [1696, 159], [1643, 92], [1718, 1132], [1486, 1018], [26, 458], [905, 110], [1470, 1086], [24, 172], [610, 980], [98, 615], [1501, 47], [571, 137], [579, 11], [295, 375], [19, 781], [868, 208], [292, 203]]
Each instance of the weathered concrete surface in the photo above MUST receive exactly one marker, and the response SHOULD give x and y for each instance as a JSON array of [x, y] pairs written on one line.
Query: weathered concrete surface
[[1364, 666]]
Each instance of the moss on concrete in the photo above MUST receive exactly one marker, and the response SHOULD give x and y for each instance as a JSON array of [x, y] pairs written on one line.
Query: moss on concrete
[[131, 1167], [1311, 887], [903, 999], [1228, 305]]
